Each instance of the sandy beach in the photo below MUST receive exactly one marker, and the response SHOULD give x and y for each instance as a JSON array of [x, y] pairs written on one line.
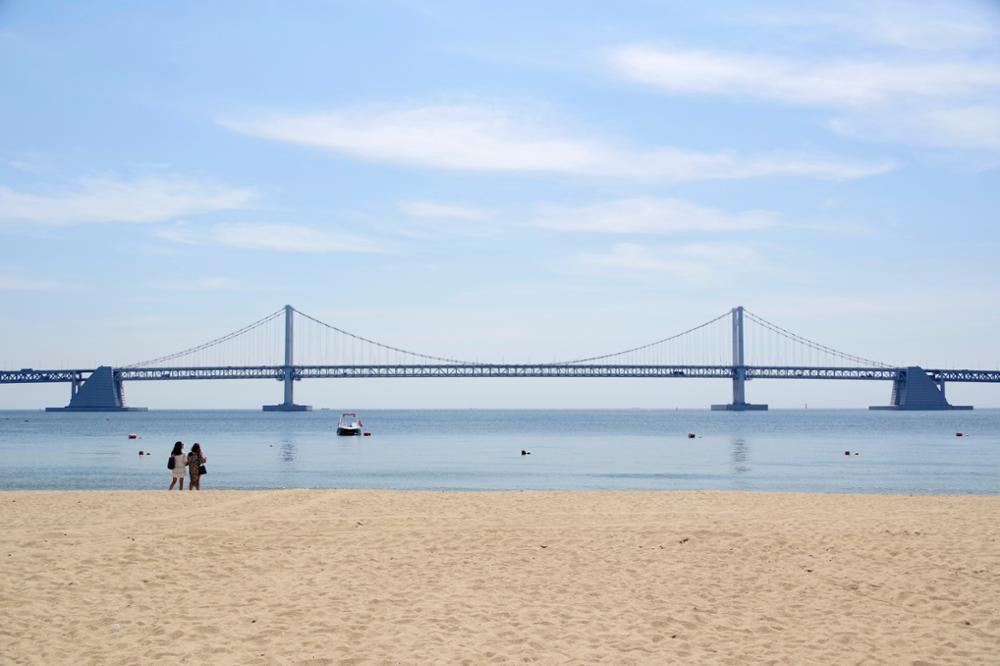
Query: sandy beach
[[311, 576]]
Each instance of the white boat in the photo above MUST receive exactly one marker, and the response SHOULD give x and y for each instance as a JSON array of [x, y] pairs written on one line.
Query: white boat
[[349, 425]]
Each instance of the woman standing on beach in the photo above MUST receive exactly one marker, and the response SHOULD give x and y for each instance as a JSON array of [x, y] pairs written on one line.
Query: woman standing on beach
[[195, 460], [180, 462]]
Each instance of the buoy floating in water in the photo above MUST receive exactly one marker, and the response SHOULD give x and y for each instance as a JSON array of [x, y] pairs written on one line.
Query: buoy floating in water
[[691, 435], [367, 434], [133, 436], [959, 434]]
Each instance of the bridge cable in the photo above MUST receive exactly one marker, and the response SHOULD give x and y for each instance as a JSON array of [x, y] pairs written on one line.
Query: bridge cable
[[361, 338], [794, 337], [379, 344], [210, 343], [646, 346]]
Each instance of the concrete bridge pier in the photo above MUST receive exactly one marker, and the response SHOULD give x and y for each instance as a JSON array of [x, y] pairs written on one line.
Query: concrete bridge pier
[[739, 403], [102, 391], [288, 405], [913, 389]]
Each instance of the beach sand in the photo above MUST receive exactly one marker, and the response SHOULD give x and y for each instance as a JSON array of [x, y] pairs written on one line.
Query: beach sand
[[316, 577]]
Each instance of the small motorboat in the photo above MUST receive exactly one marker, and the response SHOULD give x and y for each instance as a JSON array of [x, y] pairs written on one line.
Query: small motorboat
[[349, 425]]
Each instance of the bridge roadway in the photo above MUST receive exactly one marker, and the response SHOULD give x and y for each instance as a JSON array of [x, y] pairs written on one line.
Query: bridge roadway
[[277, 372]]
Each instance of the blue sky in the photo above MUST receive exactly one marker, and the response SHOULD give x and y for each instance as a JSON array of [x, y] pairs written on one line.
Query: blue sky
[[499, 180]]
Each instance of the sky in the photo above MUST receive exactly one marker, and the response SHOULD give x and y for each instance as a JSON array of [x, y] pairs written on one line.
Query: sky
[[516, 181]]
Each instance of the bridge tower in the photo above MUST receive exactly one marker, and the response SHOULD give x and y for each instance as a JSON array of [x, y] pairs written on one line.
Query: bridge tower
[[288, 376], [739, 403]]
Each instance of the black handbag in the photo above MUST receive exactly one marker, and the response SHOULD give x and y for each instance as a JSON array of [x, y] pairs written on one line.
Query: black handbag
[[171, 462], [202, 470]]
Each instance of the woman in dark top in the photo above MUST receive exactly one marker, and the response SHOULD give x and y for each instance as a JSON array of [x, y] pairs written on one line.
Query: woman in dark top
[[195, 460]]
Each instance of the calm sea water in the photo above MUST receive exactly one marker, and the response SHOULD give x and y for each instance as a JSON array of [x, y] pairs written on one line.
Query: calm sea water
[[480, 450]]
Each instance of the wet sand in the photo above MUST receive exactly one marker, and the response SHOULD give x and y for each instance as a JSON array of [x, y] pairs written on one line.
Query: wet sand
[[316, 577]]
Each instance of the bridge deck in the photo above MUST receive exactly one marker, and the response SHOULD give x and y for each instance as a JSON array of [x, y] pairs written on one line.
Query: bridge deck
[[276, 372]]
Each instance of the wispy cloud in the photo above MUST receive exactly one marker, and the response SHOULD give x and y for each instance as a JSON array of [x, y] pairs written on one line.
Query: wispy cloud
[[28, 162], [472, 138], [927, 25], [17, 283], [841, 83], [432, 221], [274, 237], [650, 216], [142, 200], [698, 262], [210, 284], [945, 100], [973, 127], [438, 210]]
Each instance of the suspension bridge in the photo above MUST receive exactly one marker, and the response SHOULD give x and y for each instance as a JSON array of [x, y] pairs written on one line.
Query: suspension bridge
[[289, 346]]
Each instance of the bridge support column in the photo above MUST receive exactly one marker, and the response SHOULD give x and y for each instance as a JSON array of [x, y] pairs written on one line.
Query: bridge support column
[[739, 403], [913, 389], [289, 371], [101, 392]]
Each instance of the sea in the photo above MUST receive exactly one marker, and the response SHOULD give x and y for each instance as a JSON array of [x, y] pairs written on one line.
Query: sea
[[830, 451]]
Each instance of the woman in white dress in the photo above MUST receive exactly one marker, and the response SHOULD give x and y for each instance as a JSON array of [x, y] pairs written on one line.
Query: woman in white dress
[[180, 464]]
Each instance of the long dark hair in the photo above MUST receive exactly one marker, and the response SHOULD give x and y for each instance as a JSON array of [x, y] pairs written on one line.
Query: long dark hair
[[178, 448], [196, 448]]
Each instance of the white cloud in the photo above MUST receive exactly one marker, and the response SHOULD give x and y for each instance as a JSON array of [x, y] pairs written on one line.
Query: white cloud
[[649, 216], [142, 200], [841, 83], [16, 283], [975, 127], [470, 138], [927, 25], [684, 165], [209, 284], [434, 209], [949, 103], [692, 262], [275, 237], [31, 163], [442, 136]]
